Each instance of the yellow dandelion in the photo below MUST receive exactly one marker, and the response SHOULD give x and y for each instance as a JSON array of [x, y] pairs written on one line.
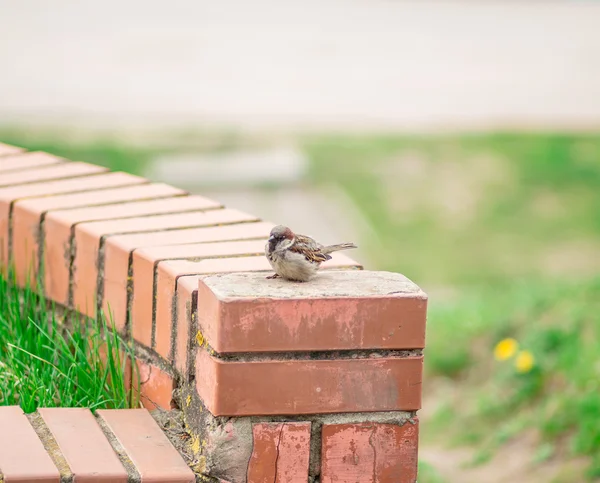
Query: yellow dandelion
[[505, 349], [524, 361]]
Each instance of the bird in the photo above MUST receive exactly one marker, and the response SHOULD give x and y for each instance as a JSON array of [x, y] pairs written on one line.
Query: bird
[[296, 257]]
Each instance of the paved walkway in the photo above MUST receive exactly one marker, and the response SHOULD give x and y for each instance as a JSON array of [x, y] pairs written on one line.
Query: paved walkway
[[365, 64]]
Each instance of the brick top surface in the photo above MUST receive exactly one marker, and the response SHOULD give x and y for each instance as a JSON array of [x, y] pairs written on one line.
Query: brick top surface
[[76, 185], [338, 310], [88, 453], [50, 172], [147, 446], [22, 455], [164, 221], [7, 149], [350, 283], [27, 161], [101, 197], [241, 231]]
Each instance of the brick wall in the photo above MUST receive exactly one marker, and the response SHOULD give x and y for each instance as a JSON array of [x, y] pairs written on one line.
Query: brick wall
[[277, 381]]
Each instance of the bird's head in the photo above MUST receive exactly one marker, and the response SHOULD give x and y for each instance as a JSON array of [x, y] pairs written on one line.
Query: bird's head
[[281, 237]]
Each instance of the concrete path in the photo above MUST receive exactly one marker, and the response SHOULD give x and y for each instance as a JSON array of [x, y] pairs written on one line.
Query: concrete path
[[363, 64]]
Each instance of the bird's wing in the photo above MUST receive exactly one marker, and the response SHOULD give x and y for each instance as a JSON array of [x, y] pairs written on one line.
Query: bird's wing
[[308, 247]]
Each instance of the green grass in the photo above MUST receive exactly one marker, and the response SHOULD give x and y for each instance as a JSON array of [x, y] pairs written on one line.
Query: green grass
[[504, 229], [471, 210], [428, 474], [559, 323], [44, 364]]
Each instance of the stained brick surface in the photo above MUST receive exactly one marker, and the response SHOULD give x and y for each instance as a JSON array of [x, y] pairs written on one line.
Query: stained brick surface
[[235, 388], [118, 250], [156, 386], [369, 453], [169, 271], [144, 262], [361, 310], [22, 455], [280, 453]]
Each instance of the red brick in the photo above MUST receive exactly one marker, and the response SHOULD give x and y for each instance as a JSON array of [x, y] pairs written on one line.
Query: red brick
[[7, 149], [339, 310], [369, 453], [189, 283], [27, 161], [27, 215], [280, 453], [305, 386], [22, 455], [60, 224], [156, 386], [88, 453], [70, 185], [89, 235], [118, 250], [144, 262], [9, 195], [146, 445], [240, 231], [59, 171]]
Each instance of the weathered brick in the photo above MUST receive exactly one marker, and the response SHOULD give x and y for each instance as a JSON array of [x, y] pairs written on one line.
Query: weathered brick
[[22, 455], [27, 161], [61, 224], [169, 271], [369, 453], [280, 453], [118, 250], [155, 385], [52, 172], [144, 262], [29, 213], [146, 445], [9, 195], [338, 310], [88, 453], [305, 386], [88, 237]]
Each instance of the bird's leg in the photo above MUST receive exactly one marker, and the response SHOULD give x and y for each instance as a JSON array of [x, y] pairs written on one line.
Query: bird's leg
[[275, 275]]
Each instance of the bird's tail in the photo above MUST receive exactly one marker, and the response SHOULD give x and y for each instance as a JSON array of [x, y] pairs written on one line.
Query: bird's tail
[[336, 248]]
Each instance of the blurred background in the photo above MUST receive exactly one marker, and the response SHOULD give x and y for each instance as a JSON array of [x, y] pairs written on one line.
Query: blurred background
[[457, 142]]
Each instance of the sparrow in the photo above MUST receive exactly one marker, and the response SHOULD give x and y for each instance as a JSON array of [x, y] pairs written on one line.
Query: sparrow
[[297, 257]]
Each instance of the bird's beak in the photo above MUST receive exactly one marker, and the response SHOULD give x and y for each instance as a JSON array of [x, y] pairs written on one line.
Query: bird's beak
[[271, 238]]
